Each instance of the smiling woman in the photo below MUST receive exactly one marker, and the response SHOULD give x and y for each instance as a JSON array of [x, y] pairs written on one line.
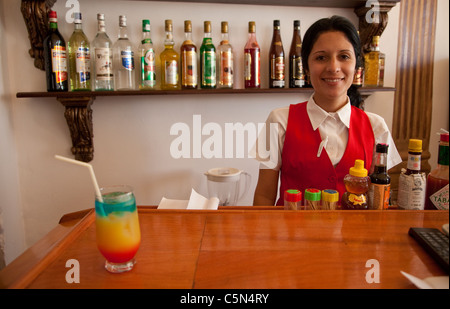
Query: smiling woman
[[330, 120]]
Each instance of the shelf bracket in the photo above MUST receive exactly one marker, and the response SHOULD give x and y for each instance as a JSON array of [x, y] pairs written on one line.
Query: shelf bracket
[[78, 115]]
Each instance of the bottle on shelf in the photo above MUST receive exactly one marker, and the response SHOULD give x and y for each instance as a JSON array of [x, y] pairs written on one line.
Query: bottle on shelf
[[276, 59], [356, 185], [103, 76], [123, 59], [169, 61], [380, 181], [55, 57], [436, 196], [225, 78], [188, 58], [372, 64], [147, 78], [296, 74], [252, 59], [358, 79], [412, 182], [207, 59], [79, 57]]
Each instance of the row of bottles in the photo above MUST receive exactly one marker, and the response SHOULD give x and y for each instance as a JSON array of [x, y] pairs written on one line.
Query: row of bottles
[[372, 74], [113, 66]]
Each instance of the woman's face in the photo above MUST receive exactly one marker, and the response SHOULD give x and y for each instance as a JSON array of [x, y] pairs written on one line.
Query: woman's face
[[331, 64]]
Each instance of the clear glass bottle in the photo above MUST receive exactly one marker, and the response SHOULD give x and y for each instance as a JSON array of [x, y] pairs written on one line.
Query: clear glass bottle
[[103, 58], [207, 59], [276, 59], [437, 181], [296, 74], [188, 58], [169, 61], [55, 57], [380, 181], [252, 59], [225, 60], [123, 59], [79, 57], [147, 78]]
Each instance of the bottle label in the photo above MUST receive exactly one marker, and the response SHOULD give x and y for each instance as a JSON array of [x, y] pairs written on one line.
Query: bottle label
[[251, 66], [226, 73], [440, 198], [209, 68], [414, 162], [247, 66], [357, 199], [277, 69], [82, 62], [171, 72], [148, 72], [103, 63], [411, 191], [299, 77], [379, 196], [189, 77], [127, 57], [59, 63]]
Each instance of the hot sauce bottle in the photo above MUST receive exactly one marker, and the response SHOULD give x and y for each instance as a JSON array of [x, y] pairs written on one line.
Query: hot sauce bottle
[[437, 181], [356, 185]]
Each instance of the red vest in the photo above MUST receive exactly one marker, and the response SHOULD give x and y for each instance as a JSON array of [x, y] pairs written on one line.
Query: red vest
[[302, 169]]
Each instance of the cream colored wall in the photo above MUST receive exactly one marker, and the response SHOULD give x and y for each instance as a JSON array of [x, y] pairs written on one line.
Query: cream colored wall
[[132, 134]]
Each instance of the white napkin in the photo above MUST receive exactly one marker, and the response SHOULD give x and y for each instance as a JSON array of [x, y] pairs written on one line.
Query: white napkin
[[440, 282], [196, 201]]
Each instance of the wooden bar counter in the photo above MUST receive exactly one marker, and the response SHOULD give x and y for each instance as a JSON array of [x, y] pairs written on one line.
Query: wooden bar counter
[[238, 247]]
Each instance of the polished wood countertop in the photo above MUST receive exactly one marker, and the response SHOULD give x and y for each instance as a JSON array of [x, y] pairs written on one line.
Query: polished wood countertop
[[239, 247]]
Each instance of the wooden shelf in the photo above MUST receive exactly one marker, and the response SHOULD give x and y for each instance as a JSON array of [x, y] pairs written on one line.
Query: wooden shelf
[[365, 91]]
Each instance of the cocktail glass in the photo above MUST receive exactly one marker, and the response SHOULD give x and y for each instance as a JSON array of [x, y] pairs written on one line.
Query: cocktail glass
[[117, 227]]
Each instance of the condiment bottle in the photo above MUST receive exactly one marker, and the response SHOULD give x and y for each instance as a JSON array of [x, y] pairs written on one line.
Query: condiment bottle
[[330, 199], [292, 199], [437, 181], [380, 181], [312, 199], [356, 184]]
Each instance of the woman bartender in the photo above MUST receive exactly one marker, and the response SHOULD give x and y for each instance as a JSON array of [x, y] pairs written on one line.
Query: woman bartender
[[319, 140]]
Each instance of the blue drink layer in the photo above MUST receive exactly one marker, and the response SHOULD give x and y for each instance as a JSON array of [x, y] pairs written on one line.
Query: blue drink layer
[[115, 202]]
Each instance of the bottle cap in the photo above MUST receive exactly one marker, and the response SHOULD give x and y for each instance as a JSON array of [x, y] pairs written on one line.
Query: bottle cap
[[276, 23], [145, 25], [292, 195], [52, 14], [224, 27], [329, 195], [296, 23], [312, 195], [383, 148], [168, 25], [415, 145], [77, 18], [207, 26], [444, 137], [358, 170], [251, 27], [122, 21], [187, 26], [100, 16]]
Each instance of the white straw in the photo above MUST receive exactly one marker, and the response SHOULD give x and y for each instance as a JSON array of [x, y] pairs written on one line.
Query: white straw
[[91, 171]]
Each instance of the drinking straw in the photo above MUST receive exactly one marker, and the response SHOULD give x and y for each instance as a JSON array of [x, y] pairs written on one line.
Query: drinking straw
[[91, 171]]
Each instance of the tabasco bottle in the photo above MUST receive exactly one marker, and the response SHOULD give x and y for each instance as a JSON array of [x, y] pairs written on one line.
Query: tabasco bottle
[[276, 58], [252, 60], [437, 181], [55, 57], [380, 181]]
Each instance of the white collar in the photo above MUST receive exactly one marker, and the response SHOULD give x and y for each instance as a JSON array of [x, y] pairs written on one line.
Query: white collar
[[317, 115]]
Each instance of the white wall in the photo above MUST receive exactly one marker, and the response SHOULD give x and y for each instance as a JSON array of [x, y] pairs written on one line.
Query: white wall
[[131, 134]]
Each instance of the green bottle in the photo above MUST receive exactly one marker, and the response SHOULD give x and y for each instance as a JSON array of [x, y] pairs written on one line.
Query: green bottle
[[79, 58], [147, 53], [208, 59]]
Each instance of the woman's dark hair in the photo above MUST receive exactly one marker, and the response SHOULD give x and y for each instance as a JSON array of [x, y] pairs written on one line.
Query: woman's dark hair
[[335, 23]]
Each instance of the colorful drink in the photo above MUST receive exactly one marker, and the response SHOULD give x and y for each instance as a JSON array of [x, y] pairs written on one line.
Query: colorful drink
[[117, 224]]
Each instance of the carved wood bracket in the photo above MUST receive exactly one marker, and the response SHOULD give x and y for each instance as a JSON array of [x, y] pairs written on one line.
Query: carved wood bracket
[[78, 115]]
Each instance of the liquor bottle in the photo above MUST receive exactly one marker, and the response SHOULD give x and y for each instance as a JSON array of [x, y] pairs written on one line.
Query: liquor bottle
[[276, 58], [79, 57], [382, 61], [225, 78], [252, 59], [123, 59], [147, 71], [372, 63], [380, 181], [296, 74], [169, 61], [358, 79], [55, 57], [103, 58], [437, 181], [207, 59], [188, 57]]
